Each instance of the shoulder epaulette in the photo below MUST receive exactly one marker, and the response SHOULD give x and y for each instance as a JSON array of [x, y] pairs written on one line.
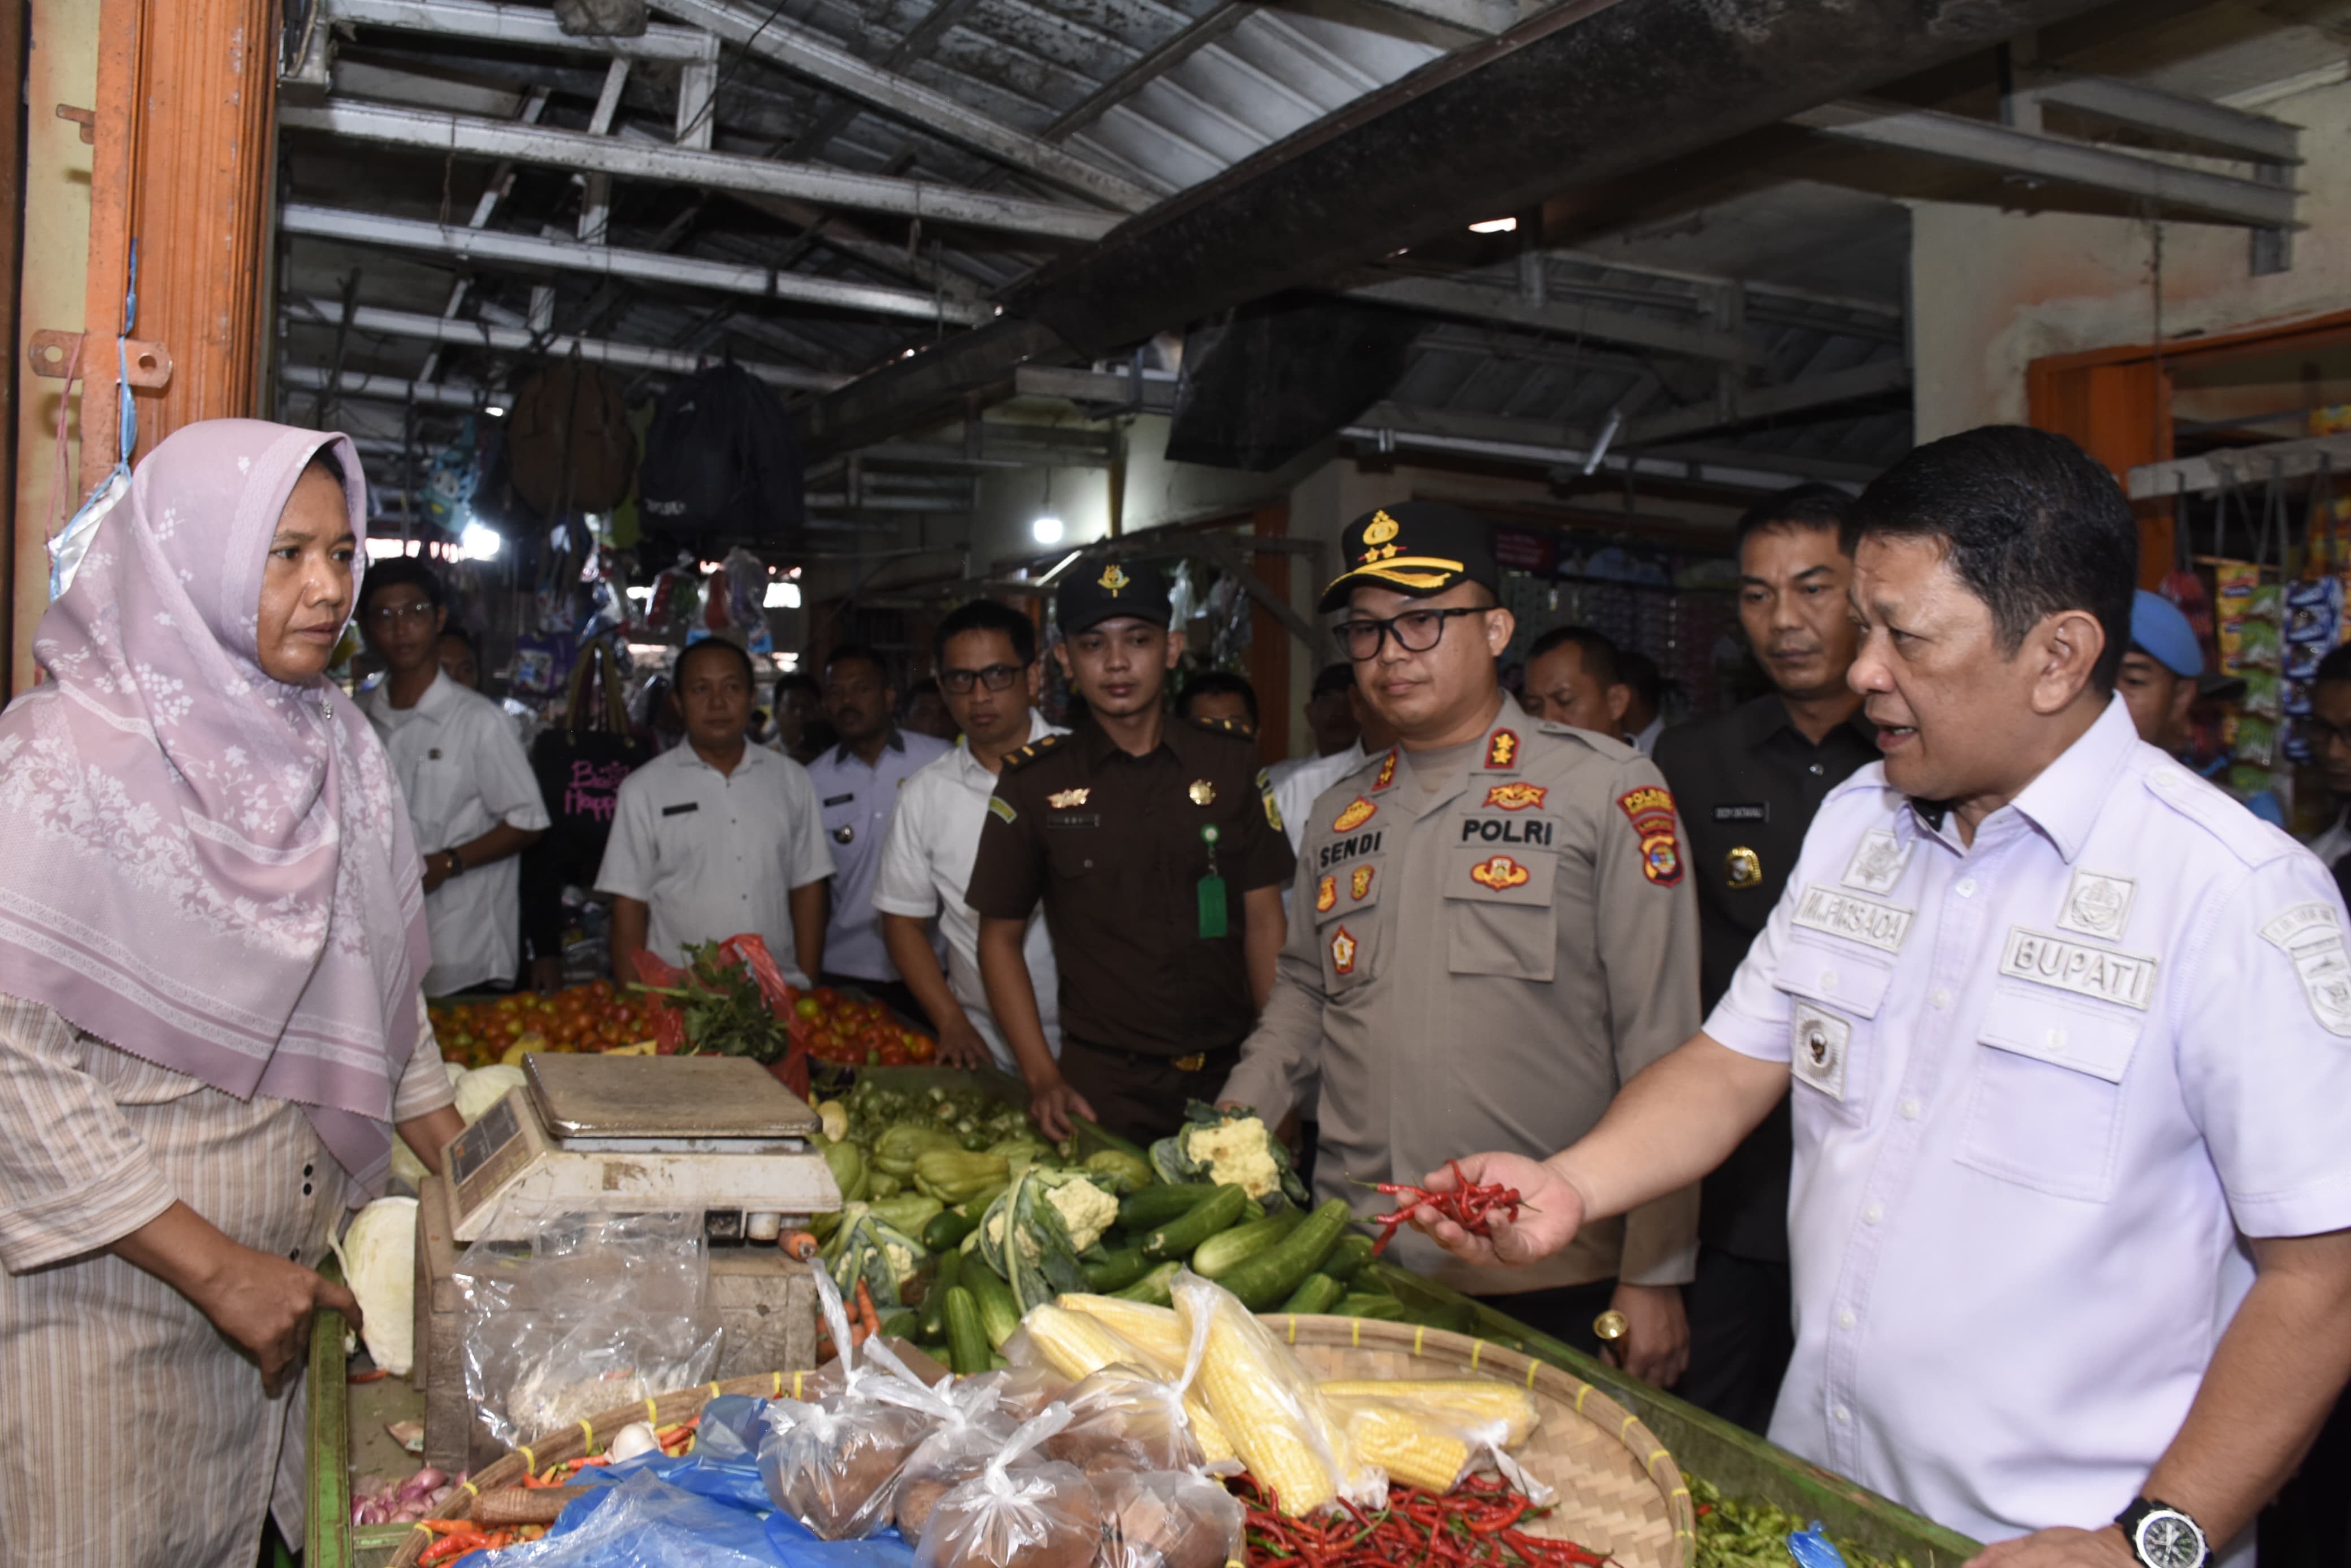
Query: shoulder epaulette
[[1238, 728], [1030, 752]]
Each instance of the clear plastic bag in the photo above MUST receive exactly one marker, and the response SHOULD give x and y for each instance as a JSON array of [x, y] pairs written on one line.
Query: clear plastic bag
[[834, 1466], [1167, 1519], [1125, 1417], [1419, 1445], [1269, 1407], [955, 1452], [1016, 1514], [603, 1310]]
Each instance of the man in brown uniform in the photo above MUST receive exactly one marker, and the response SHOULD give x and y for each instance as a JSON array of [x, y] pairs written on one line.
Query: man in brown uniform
[[1493, 931], [1160, 858]]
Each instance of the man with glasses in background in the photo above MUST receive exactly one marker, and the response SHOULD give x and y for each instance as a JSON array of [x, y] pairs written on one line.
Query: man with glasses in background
[[472, 798], [986, 654], [1492, 930]]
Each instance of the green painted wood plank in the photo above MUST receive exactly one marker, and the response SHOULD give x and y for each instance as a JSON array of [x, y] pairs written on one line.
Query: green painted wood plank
[[328, 1543]]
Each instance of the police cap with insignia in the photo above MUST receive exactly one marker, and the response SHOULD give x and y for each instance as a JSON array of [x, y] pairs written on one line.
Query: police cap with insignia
[[1094, 591], [1414, 548]]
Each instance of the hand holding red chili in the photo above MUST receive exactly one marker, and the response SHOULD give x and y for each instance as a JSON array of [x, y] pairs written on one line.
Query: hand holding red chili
[[1541, 1215], [1471, 1206]]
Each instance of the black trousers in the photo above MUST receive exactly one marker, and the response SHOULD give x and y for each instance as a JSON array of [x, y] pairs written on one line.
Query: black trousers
[[1563, 1311], [1741, 1334], [1141, 1098], [2308, 1525]]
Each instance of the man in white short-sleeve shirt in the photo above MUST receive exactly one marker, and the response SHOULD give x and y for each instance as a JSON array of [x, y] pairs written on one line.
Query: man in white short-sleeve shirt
[[987, 659], [2069, 1040], [716, 837], [472, 798]]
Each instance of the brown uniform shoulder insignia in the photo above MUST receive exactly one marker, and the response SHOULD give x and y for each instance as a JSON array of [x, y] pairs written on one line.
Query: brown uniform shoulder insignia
[[1240, 729], [1030, 752]]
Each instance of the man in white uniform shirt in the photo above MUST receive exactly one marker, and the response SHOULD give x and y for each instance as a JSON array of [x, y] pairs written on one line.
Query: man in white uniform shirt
[[2070, 1037], [987, 659], [718, 837], [857, 783], [472, 798]]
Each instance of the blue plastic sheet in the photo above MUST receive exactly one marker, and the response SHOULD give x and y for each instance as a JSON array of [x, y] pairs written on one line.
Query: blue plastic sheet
[[660, 1512], [1812, 1548]]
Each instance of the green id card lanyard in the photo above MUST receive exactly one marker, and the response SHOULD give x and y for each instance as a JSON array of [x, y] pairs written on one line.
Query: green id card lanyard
[[1211, 890]]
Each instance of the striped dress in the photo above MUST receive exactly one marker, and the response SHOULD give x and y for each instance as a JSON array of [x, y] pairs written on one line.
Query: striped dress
[[134, 1432]]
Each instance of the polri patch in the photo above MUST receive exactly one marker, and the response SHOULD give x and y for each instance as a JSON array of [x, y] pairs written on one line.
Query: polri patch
[[1650, 809], [1360, 883], [1001, 807], [1502, 749], [2099, 973], [1516, 796], [1500, 872], [1326, 894], [1353, 815], [1342, 951], [1884, 926], [2311, 936]]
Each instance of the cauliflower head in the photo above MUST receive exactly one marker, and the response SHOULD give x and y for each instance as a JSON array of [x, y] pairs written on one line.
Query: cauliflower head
[[1239, 1152], [1085, 1209]]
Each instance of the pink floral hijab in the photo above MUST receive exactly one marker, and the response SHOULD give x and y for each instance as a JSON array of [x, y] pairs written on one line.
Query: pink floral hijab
[[199, 864]]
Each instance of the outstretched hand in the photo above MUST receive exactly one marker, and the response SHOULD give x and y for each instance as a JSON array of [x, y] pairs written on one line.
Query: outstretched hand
[[1551, 1212]]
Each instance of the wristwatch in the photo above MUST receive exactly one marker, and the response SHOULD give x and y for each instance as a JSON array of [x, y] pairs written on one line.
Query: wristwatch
[[2162, 1536], [457, 864]]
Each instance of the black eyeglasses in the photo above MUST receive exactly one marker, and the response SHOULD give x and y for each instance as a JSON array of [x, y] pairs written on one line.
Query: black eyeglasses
[[1414, 631], [415, 614], [995, 678]]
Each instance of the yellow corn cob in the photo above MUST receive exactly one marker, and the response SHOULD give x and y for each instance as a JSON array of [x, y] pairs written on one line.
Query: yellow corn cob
[[1395, 1439], [1480, 1399], [1239, 1380], [1073, 1345], [1154, 1330], [1209, 1432]]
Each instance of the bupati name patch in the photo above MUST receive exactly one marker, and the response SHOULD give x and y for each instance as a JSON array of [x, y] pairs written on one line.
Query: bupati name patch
[[2076, 967], [1864, 920], [1507, 829], [1340, 850]]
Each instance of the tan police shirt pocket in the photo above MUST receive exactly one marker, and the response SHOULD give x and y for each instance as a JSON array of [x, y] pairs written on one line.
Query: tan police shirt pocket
[[1346, 923], [1499, 919], [2044, 1101], [1833, 995]]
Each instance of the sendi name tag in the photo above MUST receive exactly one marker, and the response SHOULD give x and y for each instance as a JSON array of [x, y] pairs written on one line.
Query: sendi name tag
[[681, 810], [2086, 972], [1864, 920]]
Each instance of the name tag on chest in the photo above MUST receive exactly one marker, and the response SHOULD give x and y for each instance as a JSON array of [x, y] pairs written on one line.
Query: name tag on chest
[[2077, 967], [1074, 820], [1884, 926], [1752, 811], [681, 810], [831, 801]]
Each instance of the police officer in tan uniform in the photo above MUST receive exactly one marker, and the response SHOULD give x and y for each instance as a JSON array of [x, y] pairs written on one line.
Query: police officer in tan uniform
[[1492, 931]]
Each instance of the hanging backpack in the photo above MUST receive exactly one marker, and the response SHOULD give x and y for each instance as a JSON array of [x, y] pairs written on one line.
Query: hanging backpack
[[722, 458], [570, 446]]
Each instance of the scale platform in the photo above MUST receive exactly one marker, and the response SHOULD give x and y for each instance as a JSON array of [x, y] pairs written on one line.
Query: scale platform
[[632, 1135]]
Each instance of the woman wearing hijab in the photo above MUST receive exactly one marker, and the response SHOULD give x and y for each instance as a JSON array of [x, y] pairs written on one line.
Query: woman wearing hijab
[[211, 939]]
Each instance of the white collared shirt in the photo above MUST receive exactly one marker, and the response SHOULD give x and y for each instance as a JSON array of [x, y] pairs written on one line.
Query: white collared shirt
[[1296, 786], [926, 865], [1645, 742], [716, 855], [463, 773], [857, 798], [2041, 1083]]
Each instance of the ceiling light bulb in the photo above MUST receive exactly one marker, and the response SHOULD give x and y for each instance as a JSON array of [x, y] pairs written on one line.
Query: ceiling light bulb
[[1496, 226], [1048, 530]]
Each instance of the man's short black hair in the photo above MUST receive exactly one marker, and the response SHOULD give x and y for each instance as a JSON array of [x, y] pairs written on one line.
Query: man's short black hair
[[394, 571], [1811, 505], [1330, 678], [986, 615], [459, 633], [1210, 682], [1594, 650], [798, 681], [2335, 666], [928, 687], [1640, 672], [2032, 526], [677, 670], [846, 650]]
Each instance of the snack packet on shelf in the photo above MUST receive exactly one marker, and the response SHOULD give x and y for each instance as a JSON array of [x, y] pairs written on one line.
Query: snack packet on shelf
[[1017, 1513]]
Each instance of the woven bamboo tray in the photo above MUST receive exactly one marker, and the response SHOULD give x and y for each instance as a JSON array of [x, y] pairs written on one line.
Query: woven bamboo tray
[[1619, 1492]]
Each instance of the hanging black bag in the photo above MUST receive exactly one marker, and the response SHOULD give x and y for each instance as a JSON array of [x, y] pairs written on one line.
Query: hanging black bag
[[722, 458]]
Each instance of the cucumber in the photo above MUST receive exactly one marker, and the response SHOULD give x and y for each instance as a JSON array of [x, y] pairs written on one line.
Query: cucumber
[[1319, 1293], [1179, 1236], [947, 1230], [1155, 1206], [999, 1314], [1347, 1258], [1156, 1288], [902, 1326], [1252, 1211], [1220, 1253], [1117, 1270], [1268, 1278], [950, 1266], [967, 1346], [1355, 1305]]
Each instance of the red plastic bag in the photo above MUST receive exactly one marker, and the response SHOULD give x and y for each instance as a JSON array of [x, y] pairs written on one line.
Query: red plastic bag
[[746, 948]]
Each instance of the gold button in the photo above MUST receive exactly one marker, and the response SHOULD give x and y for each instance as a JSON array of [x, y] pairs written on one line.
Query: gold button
[[1611, 1326]]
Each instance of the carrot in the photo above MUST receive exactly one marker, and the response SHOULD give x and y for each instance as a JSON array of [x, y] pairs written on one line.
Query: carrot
[[870, 1319], [799, 1246]]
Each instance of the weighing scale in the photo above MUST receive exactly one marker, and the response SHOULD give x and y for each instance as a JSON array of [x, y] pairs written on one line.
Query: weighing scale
[[632, 1135]]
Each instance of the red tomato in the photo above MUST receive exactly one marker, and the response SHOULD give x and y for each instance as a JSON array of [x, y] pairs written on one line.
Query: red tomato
[[599, 990], [920, 1048]]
